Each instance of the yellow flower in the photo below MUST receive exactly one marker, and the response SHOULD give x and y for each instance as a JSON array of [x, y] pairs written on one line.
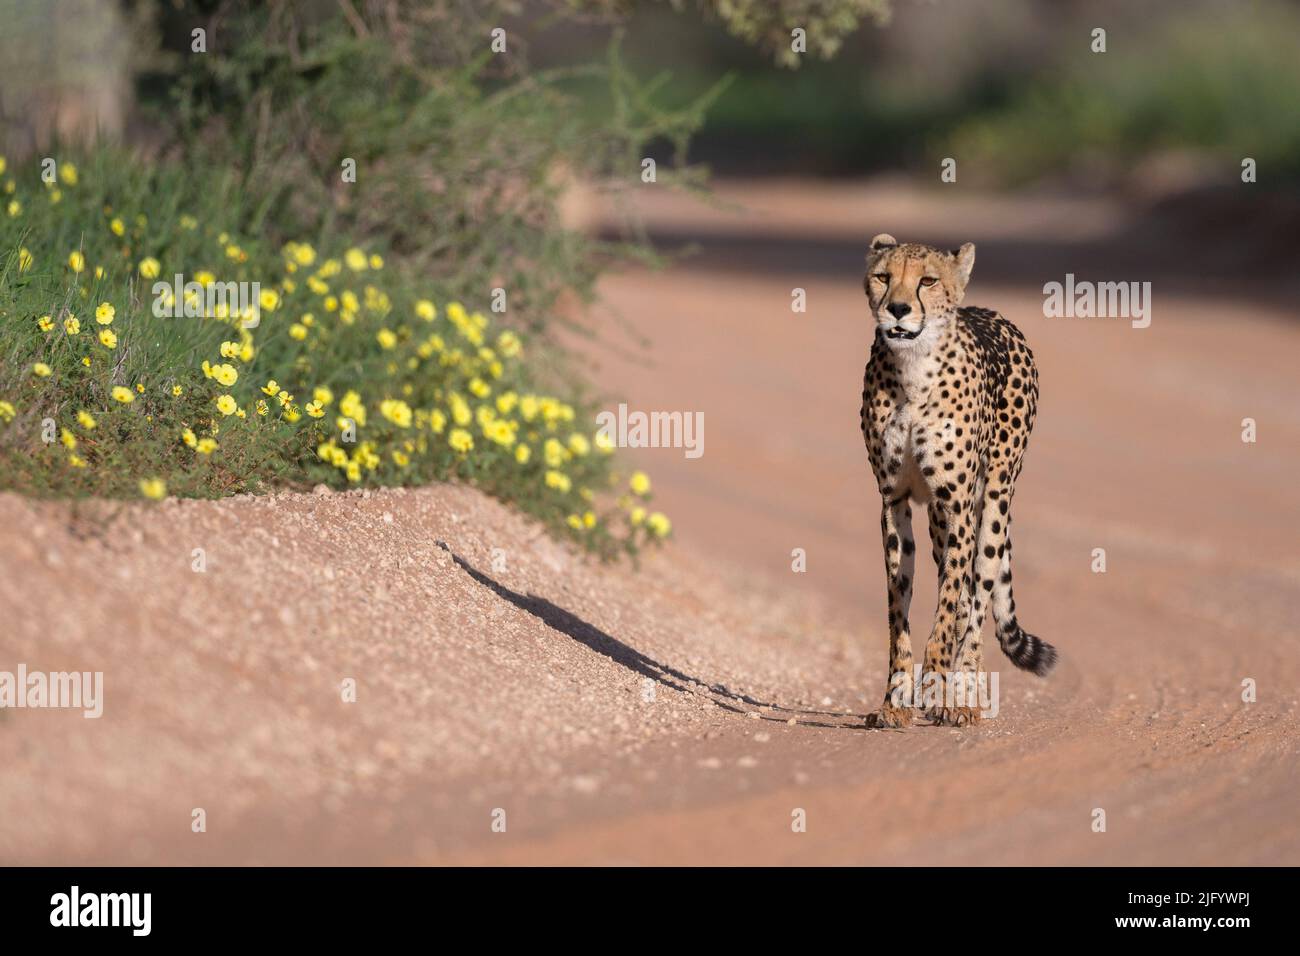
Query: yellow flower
[[150, 267], [118, 227], [225, 375], [509, 344], [460, 412], [351, 406], [637, 515], [559, 481], [86, 420], [322, 395], [574, 522], [7, 410], [153, 488], [189, 438], [589, 519], [139, 388], [269, 300], [400, 459], [578, 444], [45, 323], [659, 524], [376, 262], [226, 405], [640, 483], [304, 254], [68, 174], [105, 313], [356, 260], [76, 262], [460, 440], [437, 421], [76, 461], [108, 338], [177, 390], [71, 325], [41, 369], [386, 339], [500, 432], [522, 454], [554, 453], [189, 223], [68, 439], [206, 446], [604, 442], [271, 388], [25, 259], [15, 208], [397, 412], [314, 409], [298, 331], [123, 394], [426, 310], [262, 407], [480, 388]]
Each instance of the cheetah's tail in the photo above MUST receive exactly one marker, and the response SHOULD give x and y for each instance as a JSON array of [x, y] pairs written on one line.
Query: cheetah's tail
[[1027, 651]]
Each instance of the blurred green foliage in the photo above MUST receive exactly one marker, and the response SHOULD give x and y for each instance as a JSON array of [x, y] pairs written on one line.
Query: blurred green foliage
[[1226, 86]]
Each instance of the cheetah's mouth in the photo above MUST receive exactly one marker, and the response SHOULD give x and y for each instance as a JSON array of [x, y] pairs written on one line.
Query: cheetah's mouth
[[900, 333]]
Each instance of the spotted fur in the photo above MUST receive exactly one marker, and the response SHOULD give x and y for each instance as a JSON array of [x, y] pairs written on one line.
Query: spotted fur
[[948, 402]]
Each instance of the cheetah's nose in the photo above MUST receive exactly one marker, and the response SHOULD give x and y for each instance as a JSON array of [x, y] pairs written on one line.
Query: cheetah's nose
[[898, 310]]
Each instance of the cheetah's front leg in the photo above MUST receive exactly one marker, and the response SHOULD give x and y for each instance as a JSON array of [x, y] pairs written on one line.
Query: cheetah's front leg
[[952, 613], [900, 558]]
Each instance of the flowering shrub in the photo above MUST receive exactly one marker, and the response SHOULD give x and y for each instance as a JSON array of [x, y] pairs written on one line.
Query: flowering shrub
[[122, 376]]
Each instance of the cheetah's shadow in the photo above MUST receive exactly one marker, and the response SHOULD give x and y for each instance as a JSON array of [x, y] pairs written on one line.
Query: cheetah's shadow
[[569, 624]]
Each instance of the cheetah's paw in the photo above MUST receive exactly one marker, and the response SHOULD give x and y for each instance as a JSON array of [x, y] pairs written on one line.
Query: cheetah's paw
[[890, 716], [954, 716]]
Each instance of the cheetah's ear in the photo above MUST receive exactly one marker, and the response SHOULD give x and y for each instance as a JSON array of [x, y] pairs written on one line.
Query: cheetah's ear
[[882, 242], [965, 258]]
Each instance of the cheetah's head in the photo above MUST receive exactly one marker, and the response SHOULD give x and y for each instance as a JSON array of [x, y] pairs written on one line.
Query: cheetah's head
[[914, 290]]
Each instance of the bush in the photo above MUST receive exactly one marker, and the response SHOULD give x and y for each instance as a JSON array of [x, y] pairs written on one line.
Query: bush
[[101, 395]]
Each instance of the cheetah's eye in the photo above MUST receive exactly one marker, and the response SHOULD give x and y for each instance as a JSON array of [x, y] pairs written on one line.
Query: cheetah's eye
[[881, 277], [928, 280]]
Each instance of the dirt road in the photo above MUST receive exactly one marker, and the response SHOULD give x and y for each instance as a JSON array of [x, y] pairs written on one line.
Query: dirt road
[[533, 707]]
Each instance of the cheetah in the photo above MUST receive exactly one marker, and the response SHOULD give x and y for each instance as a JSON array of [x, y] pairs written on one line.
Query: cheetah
[[948, 400]]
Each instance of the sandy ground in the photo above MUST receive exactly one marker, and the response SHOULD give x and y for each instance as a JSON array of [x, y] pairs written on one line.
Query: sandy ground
[[692, 711]]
